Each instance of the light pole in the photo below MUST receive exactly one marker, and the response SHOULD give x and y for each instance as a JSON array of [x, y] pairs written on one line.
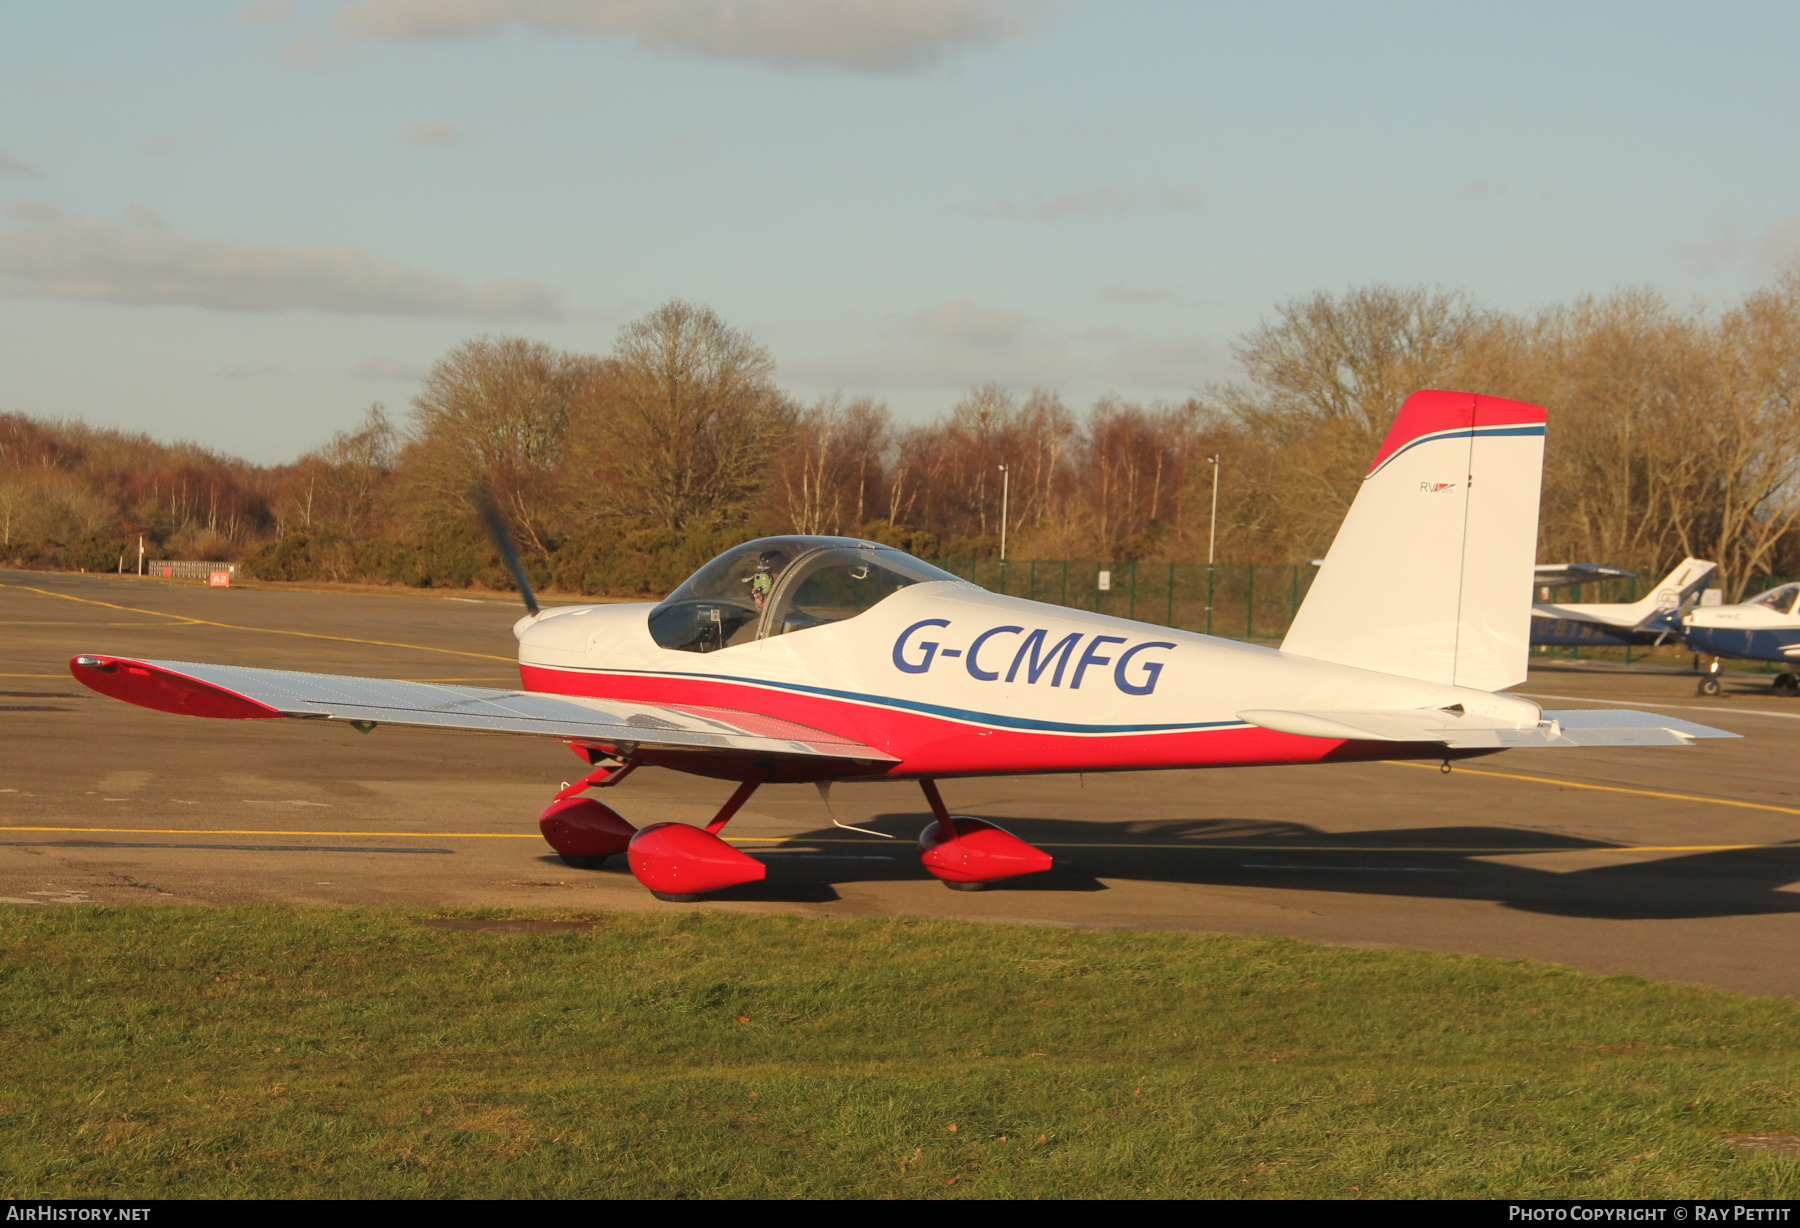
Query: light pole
[[1212, 521], [1212, 536], [1005, 489]]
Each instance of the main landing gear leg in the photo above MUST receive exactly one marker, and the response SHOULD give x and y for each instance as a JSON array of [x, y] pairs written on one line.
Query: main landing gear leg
[[970, 854], [585, 832], [681, 863]]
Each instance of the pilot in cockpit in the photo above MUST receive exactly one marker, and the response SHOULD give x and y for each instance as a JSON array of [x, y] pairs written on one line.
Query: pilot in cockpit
[[769, 566]]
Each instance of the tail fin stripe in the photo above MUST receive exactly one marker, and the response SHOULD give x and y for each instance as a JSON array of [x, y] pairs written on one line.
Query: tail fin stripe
[[1465, 433]]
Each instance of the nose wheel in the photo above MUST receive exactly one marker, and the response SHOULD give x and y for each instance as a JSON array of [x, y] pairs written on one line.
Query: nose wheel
[[1709, 684], [1787, 684]]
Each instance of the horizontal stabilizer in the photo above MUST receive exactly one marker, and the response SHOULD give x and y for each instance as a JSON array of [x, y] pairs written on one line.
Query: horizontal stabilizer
[[1467, 731], [235, 692]]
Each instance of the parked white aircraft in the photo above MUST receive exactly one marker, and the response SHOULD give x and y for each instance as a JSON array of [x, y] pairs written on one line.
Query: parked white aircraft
[[1649, 620]]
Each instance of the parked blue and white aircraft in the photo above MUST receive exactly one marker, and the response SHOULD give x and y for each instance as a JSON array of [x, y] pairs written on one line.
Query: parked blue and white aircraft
[[823, 659], [1764, 628], [1651, 619]]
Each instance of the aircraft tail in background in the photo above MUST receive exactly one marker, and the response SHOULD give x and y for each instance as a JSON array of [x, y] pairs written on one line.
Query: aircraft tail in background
[[1451, 501], [1678, 589]]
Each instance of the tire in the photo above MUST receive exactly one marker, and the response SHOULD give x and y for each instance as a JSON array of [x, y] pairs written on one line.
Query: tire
[[676, 897], [1787, 684], [1709, 686], [582, 863], [965, 886]]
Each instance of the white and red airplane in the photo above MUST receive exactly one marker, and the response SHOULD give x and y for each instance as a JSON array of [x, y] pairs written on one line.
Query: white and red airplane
[[828, 659]]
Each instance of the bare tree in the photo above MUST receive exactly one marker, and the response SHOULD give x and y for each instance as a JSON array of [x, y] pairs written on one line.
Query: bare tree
[[1329, 373], [694, 416], [495, 414], [336, 487], [833, 470]]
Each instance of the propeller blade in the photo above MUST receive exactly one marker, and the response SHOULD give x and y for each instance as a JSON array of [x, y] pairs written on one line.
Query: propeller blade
[[503, 542]]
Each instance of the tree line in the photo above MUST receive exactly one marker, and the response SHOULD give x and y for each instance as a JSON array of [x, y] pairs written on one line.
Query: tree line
[[1672, 431]]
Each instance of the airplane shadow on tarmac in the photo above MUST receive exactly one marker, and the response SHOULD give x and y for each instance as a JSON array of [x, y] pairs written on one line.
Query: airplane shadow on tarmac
[[1429, 862]]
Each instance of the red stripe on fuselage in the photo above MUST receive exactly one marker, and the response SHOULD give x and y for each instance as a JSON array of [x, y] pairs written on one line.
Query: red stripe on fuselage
[[1431, 411], [929, 745]]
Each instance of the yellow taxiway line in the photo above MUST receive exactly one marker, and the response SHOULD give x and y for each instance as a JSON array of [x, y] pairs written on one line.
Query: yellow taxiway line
[[184, 620], [240, 831], [1080, 844], [1576, 784]]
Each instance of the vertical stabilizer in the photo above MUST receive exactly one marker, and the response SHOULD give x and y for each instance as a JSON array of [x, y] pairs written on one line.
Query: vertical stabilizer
[[1430, 575], [1679, 588]]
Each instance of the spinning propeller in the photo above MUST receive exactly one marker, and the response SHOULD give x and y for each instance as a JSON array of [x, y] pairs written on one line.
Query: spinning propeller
[[503, 542]]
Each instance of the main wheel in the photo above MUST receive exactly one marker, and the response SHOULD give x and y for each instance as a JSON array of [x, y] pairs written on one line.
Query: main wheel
[[582, 863], [965, 886], [1709, 685], [1787, 684], [677, 897]]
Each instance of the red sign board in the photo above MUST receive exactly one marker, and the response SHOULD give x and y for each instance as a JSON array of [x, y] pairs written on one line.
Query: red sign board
[[219, 579]]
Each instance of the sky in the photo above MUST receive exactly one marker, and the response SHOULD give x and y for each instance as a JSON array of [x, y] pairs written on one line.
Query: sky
[[243, 223]]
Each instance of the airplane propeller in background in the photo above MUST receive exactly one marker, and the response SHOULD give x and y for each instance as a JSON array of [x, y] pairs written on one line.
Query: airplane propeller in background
[[503, 542]]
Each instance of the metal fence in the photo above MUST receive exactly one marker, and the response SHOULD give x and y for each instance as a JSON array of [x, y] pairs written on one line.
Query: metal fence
[[172, 569], [1242, 600]]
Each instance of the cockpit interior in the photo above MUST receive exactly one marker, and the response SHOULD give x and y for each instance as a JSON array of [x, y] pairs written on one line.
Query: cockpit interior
[[1782, 600], [780, 585]]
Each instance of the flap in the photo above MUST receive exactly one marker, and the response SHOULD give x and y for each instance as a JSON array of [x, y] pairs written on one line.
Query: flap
[[1465, 731]]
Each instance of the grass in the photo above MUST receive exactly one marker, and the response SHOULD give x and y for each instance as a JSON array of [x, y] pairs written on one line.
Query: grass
[[292, 1052]]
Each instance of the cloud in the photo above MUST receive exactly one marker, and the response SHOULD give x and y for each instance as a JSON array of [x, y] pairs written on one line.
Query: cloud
[[1173, 362], [28, 210], [12, 166], [1133, 295], [1778, 247], [251, 372], [924, 366], [956, 344], [1710, 255], [860, 35], [951, 345], [263, 12], [164, 143], [376, 367], [442, 132], [143, 263], [961, 322], [1775, 248], [1093, 202]]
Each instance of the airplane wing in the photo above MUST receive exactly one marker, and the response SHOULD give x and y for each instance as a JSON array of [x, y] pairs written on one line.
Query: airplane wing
[[1561, 575], [1461, 731], [235, 692]]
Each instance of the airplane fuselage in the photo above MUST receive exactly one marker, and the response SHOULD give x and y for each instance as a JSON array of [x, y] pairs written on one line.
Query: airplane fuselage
[[1747, 632], [1042, 688]]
